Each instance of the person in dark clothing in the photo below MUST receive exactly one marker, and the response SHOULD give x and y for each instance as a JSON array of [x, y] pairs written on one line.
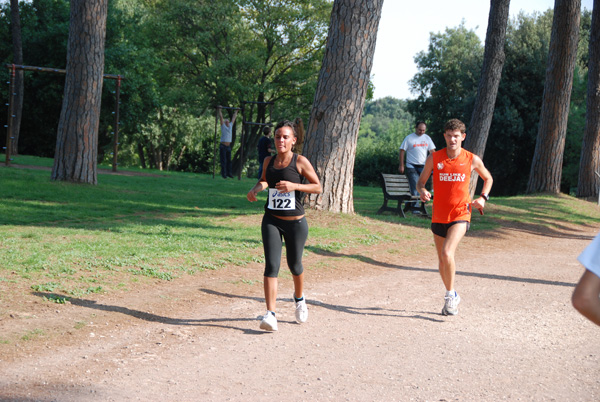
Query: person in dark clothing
[[284, 175], [265, 148]]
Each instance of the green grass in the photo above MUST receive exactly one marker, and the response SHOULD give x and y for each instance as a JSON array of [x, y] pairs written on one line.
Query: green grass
[[73, 240], [48, 162], [62, 240], [31, 335]]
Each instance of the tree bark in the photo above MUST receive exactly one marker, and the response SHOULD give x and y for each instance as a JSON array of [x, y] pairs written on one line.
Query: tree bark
[[546, 167], [491, 72], [590, 150], [140, 149], [339, 99], [76, 155], [251, 132], [15, 23]]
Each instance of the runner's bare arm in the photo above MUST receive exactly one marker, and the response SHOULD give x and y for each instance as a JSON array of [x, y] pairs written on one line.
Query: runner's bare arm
[[427, 169], [585, 297], [220, 115], [401, 157], [486, 176], [262, 183]]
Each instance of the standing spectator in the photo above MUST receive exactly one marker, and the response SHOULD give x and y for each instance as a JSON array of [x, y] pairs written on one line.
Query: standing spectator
[[265, 148], [415, 148], [225, 146], [452, 204]]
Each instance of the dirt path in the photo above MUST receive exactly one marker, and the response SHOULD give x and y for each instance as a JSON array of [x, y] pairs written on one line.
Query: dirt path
[[374, 333]]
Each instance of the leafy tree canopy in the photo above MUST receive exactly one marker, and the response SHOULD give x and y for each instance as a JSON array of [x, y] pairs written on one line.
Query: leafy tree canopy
[[446, 85], [385, 122]]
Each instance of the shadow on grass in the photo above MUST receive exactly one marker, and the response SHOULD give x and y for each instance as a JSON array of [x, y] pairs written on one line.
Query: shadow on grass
[[31, 199], [371, 261], [543, 215]]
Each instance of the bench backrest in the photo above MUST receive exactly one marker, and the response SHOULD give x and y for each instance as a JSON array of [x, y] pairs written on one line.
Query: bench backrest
[[395, 184]]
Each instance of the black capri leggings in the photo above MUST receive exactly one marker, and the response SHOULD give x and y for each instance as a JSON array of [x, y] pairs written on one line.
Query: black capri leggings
[[294, 234]]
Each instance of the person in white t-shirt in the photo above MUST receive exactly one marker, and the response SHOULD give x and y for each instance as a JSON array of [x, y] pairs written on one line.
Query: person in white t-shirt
[[415, 149], [586, 296]]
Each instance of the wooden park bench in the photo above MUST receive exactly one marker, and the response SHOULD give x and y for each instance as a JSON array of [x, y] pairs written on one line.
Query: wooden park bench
[[395, 188]]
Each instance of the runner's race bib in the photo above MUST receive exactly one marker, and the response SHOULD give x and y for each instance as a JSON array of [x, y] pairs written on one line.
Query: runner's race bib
[[281, 201]]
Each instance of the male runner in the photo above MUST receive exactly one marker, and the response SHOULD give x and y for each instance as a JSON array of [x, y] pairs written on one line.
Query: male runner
[[452, 206]]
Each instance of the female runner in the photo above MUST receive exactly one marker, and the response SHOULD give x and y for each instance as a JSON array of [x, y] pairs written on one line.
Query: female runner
[[283, 175]]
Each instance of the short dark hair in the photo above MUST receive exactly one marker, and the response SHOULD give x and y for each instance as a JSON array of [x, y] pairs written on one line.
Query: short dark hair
[[286, 123], [266, 130], [455, 124], [419, 123]]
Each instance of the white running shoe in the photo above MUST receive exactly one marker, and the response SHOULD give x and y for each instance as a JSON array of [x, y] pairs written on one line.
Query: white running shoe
[[451, 305], [301, 311], [269, 322]]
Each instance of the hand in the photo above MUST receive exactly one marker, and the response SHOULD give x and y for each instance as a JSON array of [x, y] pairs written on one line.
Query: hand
[[425, 196], [401, 169], [251, 196], [478, 204], [286, 186]]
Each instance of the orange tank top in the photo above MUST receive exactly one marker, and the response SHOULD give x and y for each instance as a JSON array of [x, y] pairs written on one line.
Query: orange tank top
[[451, 201]]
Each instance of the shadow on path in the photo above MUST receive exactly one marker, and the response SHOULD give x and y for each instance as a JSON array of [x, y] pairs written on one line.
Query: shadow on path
[[208, 322], [373, 311], [371, 261]]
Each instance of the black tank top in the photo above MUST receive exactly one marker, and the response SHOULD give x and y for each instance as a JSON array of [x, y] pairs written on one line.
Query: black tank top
[[279, 204]]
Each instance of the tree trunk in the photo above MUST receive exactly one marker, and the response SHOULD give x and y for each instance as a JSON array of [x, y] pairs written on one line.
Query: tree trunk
[[15, 23], [252, 133], [546, 167], [140, 149], [493, 61], [339, 99], [76, 153], [590, 150]]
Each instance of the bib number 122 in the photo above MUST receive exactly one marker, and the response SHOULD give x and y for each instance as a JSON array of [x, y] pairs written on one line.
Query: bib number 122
[[278, 203], [281, 201]]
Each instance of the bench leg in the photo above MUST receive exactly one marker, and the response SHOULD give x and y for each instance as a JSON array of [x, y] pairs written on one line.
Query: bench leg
[[423, 210], [383, 208], [400, 210]]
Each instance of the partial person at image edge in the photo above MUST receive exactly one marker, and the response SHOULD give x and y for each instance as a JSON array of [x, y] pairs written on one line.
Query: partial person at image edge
[[586, 296]]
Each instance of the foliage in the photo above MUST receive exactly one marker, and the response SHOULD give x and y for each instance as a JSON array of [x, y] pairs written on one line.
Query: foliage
[[384, 124], [170, 133], [45, 29], [446, 88], [446, 83], [514, 128], [224, 53], [177, 55], [180, 58]]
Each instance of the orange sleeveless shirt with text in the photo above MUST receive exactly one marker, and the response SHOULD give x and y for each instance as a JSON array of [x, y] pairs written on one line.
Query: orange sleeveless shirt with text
[[451, 187]]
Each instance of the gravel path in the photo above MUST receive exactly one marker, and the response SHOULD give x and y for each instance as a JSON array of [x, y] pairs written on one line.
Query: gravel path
[[375, 333]]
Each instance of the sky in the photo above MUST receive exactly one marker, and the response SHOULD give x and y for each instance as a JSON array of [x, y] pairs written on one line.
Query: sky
[[404, 31]]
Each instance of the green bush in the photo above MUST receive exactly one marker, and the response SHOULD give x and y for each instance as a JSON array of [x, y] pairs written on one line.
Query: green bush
[[371, 161]]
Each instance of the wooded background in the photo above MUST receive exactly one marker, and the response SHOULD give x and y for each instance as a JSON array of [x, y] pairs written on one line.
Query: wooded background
[[182, 58]]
